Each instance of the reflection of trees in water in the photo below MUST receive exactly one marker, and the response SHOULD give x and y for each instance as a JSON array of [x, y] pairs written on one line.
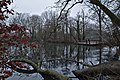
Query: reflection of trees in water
[[65, 58]]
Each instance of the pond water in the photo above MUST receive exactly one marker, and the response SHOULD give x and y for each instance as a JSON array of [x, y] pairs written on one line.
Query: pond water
[[65, 58]]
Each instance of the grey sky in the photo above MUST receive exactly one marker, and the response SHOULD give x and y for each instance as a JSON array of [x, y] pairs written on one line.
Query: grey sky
[[36, 6], [32, 6]]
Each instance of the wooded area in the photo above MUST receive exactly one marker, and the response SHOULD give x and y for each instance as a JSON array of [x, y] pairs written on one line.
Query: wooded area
[[25, 34]]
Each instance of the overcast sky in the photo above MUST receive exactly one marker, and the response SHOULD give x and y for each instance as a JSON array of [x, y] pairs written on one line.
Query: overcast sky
[[36, 6], [32, 6]]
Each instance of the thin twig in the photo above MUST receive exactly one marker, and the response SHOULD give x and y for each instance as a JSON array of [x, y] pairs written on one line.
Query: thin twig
[[73, 5], [63, 9]]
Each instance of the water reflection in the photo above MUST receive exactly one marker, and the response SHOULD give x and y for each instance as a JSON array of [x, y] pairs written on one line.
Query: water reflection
[[65, 58]]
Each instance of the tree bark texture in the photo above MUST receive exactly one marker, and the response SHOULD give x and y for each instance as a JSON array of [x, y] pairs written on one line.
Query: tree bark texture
[[106, 69]]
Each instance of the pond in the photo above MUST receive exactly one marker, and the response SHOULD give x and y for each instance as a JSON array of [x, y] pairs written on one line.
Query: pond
[[65, 58]]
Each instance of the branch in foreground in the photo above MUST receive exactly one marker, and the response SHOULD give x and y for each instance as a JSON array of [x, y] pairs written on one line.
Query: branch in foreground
[[68, 8], [106, 69], [11, 65], [46, 74], [73, 5], [63, 9], [52, 75], [113, 17]]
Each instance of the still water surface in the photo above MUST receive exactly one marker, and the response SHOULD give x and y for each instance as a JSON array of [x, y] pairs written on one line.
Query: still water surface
[[65, 58]]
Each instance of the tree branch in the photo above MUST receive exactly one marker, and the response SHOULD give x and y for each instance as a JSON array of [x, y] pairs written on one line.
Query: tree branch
[[14, 67], [112, 16], [109, 69], [63, 9], [73, 5]]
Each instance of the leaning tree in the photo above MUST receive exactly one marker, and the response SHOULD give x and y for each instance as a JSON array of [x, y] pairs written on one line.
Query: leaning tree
[[110, 68], [65, 4]]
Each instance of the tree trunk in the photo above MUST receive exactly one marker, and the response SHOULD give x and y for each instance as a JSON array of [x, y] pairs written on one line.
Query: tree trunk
[[106, 69], [112, 16], [52, 75]]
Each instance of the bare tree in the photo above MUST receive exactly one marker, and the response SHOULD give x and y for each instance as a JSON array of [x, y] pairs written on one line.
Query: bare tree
[[112, 16], [21, 19]]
